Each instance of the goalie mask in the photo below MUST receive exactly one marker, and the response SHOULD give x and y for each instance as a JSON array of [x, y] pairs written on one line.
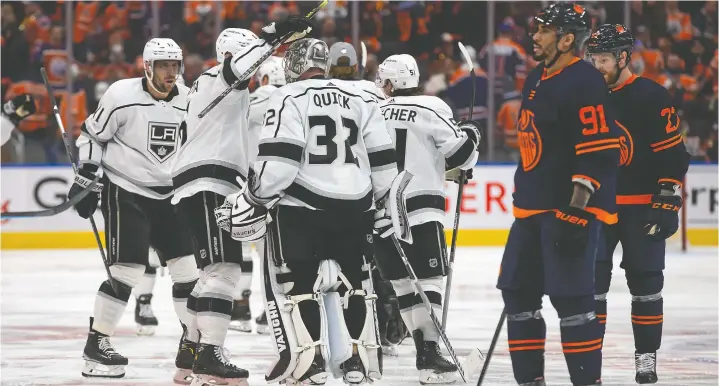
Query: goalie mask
[[303, 55]]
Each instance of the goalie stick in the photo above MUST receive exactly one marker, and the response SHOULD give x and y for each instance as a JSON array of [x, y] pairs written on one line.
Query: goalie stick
[[55, 209], [254, 67], [462, 176], [66, 142]]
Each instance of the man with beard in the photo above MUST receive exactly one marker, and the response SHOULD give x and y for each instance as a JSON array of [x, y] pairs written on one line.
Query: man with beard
[[654, 161], [565, 190]]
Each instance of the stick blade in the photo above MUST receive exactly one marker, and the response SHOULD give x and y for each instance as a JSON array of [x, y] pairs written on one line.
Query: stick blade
[[473, 363], [467, 58], [364, 54]]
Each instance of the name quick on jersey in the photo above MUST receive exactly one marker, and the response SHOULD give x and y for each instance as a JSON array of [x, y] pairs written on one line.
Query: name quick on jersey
[[396, 114], [331, 98]]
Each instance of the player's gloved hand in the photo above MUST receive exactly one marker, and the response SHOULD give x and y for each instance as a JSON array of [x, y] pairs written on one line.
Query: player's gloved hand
[[298, 26], [471, 128], [19, 108], [84, 177], [382, 222], [454, 175], [663, 216], [242, 220], [571, 231]]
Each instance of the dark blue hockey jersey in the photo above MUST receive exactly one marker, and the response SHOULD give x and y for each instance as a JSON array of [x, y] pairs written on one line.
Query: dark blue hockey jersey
[[566, 131], [652, 147]]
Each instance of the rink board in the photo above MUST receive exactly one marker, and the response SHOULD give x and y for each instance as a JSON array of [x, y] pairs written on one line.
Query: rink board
[[486, 210]]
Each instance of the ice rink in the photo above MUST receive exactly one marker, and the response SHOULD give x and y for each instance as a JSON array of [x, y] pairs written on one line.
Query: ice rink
[[47, 297]]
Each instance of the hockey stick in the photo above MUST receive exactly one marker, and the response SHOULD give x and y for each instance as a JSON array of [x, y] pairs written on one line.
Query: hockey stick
[[462, 176], [66, 142], [55, 209], [492, 345], [254, 67], [364, 59]]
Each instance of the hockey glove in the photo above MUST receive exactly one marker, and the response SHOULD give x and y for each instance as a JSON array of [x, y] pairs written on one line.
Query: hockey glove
[[382, 220], [84, 177], [471, 128], [298, 26], [242, 220], [19, 108], [663, 216], [571, 231], [455, 174]]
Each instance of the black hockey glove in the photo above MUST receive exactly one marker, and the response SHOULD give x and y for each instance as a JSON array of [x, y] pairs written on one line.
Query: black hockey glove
[[455, 174], [84, 177], [571, 231], [298, 26], [471, 128], [663, 216], [19, 108]]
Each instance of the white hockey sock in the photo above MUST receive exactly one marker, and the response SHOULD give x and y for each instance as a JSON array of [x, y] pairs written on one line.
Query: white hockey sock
[[433, 288], [147, 283], [109, 307], [193, 334], [214, 305], [405, 296], [247, 267]]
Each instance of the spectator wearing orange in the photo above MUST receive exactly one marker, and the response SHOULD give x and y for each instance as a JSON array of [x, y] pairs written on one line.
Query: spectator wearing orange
[[36, 24], [679, 24], [15, 51], [706, 21], [510, 60], [507, 119], [676, 81]]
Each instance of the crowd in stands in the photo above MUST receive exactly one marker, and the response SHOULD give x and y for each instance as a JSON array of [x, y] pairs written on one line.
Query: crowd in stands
[[676, 45]]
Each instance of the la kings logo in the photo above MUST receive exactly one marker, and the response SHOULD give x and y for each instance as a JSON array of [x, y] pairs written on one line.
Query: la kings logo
[[162, 139]]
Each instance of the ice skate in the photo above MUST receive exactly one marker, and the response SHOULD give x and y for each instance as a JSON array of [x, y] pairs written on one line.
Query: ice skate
[[144, 317], [261, 324], [184, 360], [101, 359], [241, 318], [315, 375], [213, 368], [353, 371], [433, 367], [389, 349], [536, 382], [646, 365]]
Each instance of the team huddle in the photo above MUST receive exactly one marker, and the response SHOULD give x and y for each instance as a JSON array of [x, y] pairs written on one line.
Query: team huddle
[[337, 182]]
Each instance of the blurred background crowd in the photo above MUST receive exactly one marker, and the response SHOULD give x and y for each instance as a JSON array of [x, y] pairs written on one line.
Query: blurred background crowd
[[87, 45]]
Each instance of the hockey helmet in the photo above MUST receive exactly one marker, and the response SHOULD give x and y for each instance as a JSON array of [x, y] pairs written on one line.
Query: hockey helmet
[[613, 39], [567, 18], [400, 70], [161, 49], [272, 69], [232, 40], [303, 55]]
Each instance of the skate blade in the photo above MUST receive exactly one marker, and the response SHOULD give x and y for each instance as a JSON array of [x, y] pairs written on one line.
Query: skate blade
[[209, 380], [263, 329], [241, 325], [144, 330], [97, 370], [430, 377], [473, 364], [183, 377]]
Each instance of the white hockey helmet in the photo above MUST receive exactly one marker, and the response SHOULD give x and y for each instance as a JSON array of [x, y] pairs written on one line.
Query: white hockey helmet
[[161, 49], [232, 40], [400, 70], [273, 70], [304, 54]]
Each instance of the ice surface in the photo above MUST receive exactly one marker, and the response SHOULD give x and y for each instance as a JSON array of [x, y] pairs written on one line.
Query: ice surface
[[47, 297]]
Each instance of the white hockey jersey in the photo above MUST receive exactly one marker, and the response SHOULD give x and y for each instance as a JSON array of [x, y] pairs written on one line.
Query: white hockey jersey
[[428, 142], [133, 136], [217, 147], [258, 106], [370, 88], [324, 146]]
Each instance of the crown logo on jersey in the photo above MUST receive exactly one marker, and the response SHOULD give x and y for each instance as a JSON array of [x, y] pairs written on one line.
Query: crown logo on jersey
[[162, 140], [530, 143]]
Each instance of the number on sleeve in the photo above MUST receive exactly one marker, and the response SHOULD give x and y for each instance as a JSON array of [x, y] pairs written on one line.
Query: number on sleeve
[[269, 117], [593, 116], [669, 112]]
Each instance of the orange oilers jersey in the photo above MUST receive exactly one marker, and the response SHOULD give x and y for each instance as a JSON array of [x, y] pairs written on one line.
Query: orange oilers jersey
[[566, 132], [651, 144]]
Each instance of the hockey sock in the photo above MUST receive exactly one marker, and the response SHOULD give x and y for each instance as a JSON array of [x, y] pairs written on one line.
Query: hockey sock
[[405, 297], [581, 338], [180, 295], [147, 283], [526, 334], [214, 307], [109, 306], [433, 288], [602, 280], [193, 334], [647, 309], [247, 267]]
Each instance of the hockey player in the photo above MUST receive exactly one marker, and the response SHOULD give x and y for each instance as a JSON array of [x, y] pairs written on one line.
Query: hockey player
[[564, 191], [144, 316], [324, 156], [131, 138], [208, 167], [428, 142], [14, 111], [345, 67], [270, 75], [654, 161]]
